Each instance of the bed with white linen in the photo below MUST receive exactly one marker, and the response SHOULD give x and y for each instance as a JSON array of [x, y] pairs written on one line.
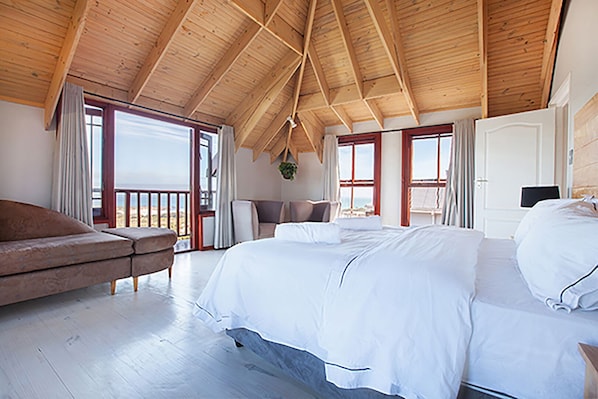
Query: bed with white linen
[[409, 312]]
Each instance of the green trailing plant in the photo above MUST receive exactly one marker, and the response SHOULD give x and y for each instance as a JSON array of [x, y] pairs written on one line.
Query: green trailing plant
[[288, 170]]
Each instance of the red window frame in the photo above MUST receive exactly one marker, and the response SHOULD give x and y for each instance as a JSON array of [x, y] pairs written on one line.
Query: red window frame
[[407, 170], [368, 138]]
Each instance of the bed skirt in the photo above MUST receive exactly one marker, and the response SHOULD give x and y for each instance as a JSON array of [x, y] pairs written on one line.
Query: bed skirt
[[309, 370]]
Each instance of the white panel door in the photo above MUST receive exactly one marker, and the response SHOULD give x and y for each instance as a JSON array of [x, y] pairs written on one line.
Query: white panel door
[[512, 151]]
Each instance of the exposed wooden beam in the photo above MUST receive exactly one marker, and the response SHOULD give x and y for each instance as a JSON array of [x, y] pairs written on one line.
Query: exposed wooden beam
[[309, 23], [244, 127], [386, 38], [294, 151], [375, 111], [74, 31], [314, 131], [222, 67], [249, 103], [548, 57], [347, 43], [270, 133], [287, 143], [343, 116], [375, 88], [397, 40], [265, 16], [270, 9], [179, 15], [319, 72], [483, 49]]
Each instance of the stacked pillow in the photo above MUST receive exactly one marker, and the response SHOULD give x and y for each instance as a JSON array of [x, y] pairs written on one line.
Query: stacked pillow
[[557, 252]]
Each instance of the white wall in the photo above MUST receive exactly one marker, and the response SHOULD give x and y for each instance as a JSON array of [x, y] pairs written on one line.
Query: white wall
[[259, 179], [26, 153]]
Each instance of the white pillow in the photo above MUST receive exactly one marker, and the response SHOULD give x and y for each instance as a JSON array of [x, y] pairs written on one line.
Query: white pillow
[[360, 223], [558, 258], [548, 209], [309, 232]]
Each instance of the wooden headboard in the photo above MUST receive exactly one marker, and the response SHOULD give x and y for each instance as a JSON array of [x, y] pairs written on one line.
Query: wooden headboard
[[585, 155]]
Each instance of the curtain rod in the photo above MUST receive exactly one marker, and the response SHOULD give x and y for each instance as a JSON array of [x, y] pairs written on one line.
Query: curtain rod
[[153, 110]]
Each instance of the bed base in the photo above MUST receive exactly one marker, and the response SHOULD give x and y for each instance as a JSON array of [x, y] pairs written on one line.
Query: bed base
[[309, 370]]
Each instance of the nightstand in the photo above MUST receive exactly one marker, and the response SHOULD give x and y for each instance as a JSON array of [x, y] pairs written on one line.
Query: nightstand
[[590, 356]]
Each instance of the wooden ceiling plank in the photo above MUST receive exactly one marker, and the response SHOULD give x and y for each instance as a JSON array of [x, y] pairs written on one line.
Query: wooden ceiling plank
[[244, 128], [67, 52], [285, 33], [375, 111], [179, 15], [343, 116], [254, 9], [347, 43], [278, 147], [272, 131], [270, 9], [291, 60], [289, 134], [307, 39], [294, 152], [386, 38], [548, 58], [319, 73], [483, 50], [222, 67], [314, 131], [402, 60]]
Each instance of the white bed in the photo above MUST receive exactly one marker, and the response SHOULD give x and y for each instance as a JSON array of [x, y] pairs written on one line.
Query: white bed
[[507, 341]]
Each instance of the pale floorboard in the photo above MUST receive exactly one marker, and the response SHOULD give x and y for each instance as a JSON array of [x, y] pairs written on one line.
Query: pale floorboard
[[89, 344]]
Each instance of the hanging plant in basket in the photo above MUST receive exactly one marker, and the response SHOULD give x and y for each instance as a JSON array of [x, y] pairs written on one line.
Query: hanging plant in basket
[[288, 170]]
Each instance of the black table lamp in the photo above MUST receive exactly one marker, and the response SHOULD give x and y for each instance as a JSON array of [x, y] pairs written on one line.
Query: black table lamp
[[531, 195]]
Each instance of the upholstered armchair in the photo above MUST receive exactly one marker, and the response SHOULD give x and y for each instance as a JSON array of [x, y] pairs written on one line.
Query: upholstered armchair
[[313, 211], [255, 219]]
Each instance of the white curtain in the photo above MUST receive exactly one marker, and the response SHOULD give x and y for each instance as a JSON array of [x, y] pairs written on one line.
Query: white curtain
[[226, 188], [71, 177], [330, 163], [458, 202]]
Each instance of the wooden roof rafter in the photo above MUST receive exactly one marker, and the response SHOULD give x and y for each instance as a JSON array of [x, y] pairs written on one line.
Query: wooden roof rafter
[[549, 54], [179, 15], [67, 52], [386, 38], [273, 130]]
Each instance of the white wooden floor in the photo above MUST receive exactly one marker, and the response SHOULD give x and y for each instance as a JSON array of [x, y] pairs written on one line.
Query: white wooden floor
[[89, 344]]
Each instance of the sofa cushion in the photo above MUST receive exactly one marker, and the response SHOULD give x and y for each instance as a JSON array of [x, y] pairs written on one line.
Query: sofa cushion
[[19, 221], [44, 253], [146, 239], [152, 262]]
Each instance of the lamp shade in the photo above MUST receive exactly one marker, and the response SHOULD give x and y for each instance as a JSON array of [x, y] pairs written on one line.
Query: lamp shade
[[531, 195]]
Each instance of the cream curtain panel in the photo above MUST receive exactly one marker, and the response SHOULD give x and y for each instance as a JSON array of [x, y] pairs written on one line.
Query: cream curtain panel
[[226, 188], [331, 173], [71, 177], [458, 202]]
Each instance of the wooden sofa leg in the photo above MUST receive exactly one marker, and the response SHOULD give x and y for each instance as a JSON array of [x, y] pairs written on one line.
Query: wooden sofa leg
[[112, 287], [170, 272], [135, 283]]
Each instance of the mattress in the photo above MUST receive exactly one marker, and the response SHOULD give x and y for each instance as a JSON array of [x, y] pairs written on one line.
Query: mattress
[[519, 346]]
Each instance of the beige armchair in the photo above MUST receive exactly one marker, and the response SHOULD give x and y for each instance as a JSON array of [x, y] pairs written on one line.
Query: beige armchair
[[313, 211], [255, 219]]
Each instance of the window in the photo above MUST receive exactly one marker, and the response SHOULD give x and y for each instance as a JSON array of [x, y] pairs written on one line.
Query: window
[[359, 168], [426, 154], [208, 160], [94, 121]]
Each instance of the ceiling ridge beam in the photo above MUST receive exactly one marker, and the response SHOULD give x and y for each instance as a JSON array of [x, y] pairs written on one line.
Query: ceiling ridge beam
[[265, 16], [549, 55], [67, 53], [272, 131], [175, 21], [245, 126], [387, 42], [253, 98], [483, 50], [222, 67]]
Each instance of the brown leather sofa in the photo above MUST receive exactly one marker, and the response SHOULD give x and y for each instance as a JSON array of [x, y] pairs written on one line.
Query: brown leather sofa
[[43, 252]]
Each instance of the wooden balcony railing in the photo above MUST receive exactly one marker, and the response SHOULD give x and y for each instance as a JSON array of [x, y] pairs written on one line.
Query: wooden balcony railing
[[154, 208]]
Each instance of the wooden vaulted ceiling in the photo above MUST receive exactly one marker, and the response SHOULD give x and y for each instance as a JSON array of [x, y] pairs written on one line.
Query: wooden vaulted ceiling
[[253, 63]]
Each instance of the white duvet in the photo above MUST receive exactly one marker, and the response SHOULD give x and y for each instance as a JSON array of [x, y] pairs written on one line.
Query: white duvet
[[387, 310]]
